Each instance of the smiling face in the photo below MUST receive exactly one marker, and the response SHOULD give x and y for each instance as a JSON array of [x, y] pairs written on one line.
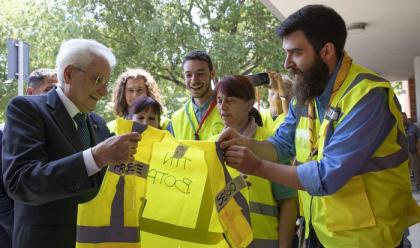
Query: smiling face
[[134, 88], [85, 86], [198, 78]]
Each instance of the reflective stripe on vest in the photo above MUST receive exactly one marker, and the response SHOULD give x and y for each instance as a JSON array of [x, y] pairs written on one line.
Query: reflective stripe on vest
[[182, 128], [263, 206], [209, 230], [202, 228], [237, 226], [355, 215], [111, 219], [116, 231]]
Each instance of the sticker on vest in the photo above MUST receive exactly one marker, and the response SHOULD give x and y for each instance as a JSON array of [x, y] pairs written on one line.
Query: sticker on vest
[[133, 168], [233, 187]]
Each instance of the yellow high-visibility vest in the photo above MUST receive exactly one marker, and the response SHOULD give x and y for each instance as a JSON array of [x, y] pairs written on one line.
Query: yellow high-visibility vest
[[123, 206], [375, 207], [111, 219], [195, 221], [263, 206], [185, 124]]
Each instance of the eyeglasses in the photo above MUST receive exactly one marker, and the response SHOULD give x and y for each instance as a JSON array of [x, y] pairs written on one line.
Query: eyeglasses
[[99, 80]]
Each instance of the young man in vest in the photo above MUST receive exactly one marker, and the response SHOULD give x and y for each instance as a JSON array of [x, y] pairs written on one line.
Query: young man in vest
[[198, 119], [344, 129]]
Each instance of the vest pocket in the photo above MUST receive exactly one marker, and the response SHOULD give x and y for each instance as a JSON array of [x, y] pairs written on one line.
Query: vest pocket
[[348, 208]]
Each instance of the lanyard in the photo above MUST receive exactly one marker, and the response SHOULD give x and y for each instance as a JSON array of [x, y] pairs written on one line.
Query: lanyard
[[339, 80], [209, 109]]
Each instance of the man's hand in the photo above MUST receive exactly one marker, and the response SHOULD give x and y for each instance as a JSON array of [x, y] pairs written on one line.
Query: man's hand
[[242, 159], [116, 149], [230, 137]]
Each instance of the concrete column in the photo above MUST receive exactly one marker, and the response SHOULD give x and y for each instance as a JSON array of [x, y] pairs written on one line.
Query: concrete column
[[417, 83]]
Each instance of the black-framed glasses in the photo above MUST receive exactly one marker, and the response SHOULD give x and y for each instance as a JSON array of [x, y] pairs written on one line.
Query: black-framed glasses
[[99, 79]]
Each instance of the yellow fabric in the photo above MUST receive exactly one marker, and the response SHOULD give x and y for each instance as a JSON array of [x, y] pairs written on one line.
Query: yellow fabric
[[182, 128], [112, 125], [164, 121], [196, 222], [277, 122], [372, 209], [178, 210], [97, 212], [260, 192], [267, 120], [263, 226]]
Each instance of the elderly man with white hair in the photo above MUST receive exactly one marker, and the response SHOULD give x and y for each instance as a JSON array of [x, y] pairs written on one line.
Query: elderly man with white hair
[[57, 147]]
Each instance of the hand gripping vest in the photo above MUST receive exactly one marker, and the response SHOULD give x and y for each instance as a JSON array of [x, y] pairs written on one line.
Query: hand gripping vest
[[374, 207], [123, 206], [263, 207], [210, 212], [111, 219]]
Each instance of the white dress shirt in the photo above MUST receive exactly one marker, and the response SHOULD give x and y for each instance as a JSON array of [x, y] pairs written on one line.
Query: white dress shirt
[[90, 164]]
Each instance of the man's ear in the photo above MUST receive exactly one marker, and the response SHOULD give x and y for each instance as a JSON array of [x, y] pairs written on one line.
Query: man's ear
[[212, 74], [67, 74], [29, 91], [328, 52]]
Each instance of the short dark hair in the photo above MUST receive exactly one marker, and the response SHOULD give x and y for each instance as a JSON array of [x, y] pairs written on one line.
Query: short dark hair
[[199, 55], [240, 87], [143, 103], [320, 24], [36, 77]]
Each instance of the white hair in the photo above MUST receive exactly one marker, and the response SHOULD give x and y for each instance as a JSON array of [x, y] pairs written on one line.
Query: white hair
[[81, 52]]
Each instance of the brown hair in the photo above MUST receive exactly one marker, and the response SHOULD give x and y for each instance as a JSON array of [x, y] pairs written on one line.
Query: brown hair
[[240, 87], [118, 95]]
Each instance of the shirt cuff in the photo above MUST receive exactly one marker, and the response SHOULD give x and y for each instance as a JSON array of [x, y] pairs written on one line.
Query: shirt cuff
[[91, 166], [309, 177]]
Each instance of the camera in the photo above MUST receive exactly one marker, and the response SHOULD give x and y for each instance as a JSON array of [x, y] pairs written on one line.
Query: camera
[[259, 79]]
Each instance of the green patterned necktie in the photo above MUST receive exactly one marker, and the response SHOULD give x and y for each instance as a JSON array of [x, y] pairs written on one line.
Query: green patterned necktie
[[83, 129]]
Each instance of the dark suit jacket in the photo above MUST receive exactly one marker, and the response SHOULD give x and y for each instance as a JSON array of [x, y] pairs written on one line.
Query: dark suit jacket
[[6, 211], [44, 171]]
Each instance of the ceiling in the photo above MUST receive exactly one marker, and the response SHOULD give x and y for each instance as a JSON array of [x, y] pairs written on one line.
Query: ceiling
[[390, 41]]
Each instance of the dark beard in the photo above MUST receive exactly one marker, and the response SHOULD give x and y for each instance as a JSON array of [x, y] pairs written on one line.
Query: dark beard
[[311, 83]]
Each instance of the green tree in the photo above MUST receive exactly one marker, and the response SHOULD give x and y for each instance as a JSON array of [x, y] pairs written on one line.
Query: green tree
[[153, 34]]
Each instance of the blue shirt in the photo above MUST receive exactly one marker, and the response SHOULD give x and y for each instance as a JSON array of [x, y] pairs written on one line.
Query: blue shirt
[[350, 146]]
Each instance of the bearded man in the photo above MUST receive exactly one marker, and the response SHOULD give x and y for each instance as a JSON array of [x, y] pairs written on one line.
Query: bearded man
[[345, 133]]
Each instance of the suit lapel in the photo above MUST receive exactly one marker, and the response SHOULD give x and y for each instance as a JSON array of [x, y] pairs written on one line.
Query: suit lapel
[[63, 119]]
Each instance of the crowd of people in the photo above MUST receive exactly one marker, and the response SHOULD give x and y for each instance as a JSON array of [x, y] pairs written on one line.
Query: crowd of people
[[327, 166]]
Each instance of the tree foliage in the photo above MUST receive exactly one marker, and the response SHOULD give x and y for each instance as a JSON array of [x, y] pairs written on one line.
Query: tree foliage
[[153, 34]]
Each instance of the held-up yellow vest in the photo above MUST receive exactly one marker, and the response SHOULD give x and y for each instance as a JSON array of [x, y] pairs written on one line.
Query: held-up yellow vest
[[113, 218], [375, 207], [210, 212], [182, 128], [263, 206]]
